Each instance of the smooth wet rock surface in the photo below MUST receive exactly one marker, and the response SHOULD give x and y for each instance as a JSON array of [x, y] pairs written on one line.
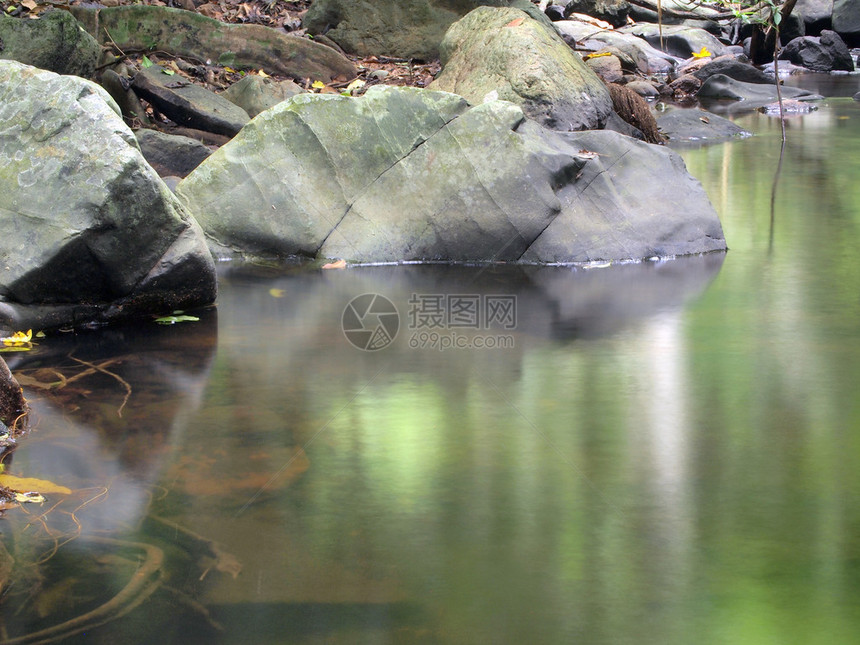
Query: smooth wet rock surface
[[407, 174]]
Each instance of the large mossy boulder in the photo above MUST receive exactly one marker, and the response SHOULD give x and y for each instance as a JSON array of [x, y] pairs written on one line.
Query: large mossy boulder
[[86, 225], [409, 174], [505, 54], [55, 42], [404, 28]]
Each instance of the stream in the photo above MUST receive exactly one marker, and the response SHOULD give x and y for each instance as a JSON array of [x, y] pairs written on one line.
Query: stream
[[662, 452]]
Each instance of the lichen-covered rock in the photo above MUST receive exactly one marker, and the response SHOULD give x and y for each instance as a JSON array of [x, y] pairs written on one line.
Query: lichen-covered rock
[[504, 54], [84, 220], [55, 42], [186, 33], [409, 174]]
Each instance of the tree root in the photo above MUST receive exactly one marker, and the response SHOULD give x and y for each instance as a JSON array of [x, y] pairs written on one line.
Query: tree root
[[145, 581]]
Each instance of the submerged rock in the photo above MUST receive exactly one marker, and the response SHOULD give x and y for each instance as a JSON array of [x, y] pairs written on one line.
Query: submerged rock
[[698, 126], [504, 54], [749, 96], [87, 229], [408, 174]]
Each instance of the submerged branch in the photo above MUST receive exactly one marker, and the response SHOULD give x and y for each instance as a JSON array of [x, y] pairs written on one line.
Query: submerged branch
[[143, 584]]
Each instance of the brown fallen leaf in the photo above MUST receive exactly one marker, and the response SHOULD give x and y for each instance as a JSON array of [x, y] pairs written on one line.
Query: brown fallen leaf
[[516, 22], [32, 484]]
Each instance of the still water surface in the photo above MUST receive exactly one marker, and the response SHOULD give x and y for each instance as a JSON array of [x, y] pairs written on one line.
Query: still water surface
[[657, 453]]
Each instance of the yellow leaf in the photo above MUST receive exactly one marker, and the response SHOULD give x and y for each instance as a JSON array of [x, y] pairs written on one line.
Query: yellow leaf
[[30, 484], [317, 85], [702, 53], [263, 74], [18, 337], [596, 55], [276, 293], [229, 69], [23, 498]]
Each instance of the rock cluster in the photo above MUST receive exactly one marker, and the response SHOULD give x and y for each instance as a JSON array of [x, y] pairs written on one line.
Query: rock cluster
[[507, 156]]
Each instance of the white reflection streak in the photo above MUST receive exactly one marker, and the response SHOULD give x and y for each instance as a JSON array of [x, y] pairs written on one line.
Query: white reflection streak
[[665, 424]]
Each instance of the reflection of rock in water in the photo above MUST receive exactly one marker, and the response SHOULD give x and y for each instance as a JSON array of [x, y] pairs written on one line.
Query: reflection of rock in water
[[601, 302], [110, 404]]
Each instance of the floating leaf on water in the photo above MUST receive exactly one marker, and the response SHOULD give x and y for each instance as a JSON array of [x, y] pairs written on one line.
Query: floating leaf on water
[[32, 485], [31, 498], [26, 347], [171, 320], [18, 337], [339, 264], [276, 293]]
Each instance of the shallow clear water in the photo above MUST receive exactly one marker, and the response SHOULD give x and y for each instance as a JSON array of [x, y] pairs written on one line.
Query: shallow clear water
[[655, 453]]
